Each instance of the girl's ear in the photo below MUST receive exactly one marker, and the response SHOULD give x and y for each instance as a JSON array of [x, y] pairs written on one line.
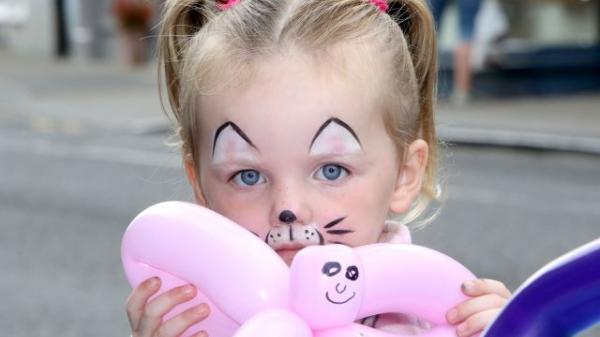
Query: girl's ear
[[410, 177], [190, 169]]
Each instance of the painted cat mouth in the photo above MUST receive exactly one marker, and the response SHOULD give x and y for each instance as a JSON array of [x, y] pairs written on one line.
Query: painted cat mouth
[[336, 302]]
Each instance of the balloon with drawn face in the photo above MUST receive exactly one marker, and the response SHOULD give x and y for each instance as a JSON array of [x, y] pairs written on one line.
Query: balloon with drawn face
[[326, 285], [252, 292]]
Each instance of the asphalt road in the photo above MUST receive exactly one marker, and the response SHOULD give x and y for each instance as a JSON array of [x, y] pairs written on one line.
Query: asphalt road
[[65, 201]]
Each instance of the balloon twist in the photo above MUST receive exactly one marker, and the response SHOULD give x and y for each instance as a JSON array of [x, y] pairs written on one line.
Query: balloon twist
[[252, 292]]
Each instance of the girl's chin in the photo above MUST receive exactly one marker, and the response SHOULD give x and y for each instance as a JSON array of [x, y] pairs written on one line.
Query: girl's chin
[[287, 255]]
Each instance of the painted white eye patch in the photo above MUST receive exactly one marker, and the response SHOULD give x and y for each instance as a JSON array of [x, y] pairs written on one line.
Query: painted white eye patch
[[231, 143], [335, 137]]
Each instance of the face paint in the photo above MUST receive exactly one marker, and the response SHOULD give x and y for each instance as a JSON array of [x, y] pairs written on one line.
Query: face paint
[[287, 240], [340, 231], [231, 143], [335, 137], [302, 235], [318, 164], [337, 231], [334, 222], [287, 216], [294, 236]]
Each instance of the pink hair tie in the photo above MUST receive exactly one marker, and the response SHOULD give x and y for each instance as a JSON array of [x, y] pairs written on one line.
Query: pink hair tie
[[381, 4], [226, 4]]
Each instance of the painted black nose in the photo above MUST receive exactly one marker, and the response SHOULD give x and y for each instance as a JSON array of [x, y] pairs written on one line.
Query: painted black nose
[[287, 216]]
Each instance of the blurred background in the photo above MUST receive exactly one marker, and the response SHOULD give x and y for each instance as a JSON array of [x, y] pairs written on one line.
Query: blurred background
[[83, 149]]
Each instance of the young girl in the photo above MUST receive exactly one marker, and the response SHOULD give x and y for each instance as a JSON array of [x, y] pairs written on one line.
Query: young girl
[[305, 116]]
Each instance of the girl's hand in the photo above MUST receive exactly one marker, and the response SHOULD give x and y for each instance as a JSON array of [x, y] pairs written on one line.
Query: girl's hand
[[145, 318], [473, 315]]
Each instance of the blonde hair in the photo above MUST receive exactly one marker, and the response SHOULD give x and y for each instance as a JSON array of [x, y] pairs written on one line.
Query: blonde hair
[[200, 46]]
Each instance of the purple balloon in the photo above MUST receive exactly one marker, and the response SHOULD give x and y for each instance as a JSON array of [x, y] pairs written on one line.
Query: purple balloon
[[561, 299]]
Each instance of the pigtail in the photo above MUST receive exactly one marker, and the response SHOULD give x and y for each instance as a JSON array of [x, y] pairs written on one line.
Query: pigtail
[[416, 21], [181, 20]]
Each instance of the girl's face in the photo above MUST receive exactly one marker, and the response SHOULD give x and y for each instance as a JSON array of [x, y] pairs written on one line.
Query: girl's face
[[299, 157]]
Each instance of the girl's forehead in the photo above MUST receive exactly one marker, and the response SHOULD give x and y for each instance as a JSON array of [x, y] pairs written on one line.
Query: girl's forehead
[[285, 99]]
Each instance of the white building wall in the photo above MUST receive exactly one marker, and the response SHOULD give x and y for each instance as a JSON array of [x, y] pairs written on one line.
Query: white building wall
[[35, 34], [89, 25]]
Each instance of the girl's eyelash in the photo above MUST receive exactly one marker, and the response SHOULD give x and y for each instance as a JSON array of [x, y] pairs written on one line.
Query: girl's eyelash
[[321, 175], [343, 166], [232, 176], [235, 174], [240, 176]]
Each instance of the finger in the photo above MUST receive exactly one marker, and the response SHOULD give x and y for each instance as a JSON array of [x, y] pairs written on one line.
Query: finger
[[473, 306], [201, 334], [476, 323], [137, 300], [479, 287], [162, 304], [178, 324]]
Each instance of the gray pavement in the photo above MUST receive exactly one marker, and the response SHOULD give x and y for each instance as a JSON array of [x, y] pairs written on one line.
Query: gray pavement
[[73, 97]]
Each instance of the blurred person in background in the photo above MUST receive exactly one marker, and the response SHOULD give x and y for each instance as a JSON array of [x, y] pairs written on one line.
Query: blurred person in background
[[467, 13], [133, 18]]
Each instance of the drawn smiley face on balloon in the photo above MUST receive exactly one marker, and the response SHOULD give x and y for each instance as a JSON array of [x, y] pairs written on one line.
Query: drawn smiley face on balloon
[[326, 285], [343, 291]]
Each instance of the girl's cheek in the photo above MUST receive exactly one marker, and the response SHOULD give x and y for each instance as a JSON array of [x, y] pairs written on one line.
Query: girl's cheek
[[246, 213]]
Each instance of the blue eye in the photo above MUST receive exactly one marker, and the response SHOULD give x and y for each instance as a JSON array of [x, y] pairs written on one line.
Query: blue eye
[[331, 172], [248, 178]]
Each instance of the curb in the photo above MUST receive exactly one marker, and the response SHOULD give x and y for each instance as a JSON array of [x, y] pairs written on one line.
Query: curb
[[519, 139]]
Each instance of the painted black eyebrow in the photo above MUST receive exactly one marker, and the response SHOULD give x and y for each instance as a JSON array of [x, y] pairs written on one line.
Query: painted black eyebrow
[[236, 129], [338, 122]]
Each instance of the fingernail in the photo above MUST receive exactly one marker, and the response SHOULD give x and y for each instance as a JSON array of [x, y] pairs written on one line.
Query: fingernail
[[452, 314], [153, 281], [188, 289], [201, 310], [468, 285], [462, 328]]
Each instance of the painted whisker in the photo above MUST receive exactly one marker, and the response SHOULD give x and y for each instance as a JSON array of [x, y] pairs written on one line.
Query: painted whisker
[[334, 222], [339, 231]]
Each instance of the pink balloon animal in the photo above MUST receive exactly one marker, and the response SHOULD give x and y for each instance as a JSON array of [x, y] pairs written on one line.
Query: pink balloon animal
[[252, 292]]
